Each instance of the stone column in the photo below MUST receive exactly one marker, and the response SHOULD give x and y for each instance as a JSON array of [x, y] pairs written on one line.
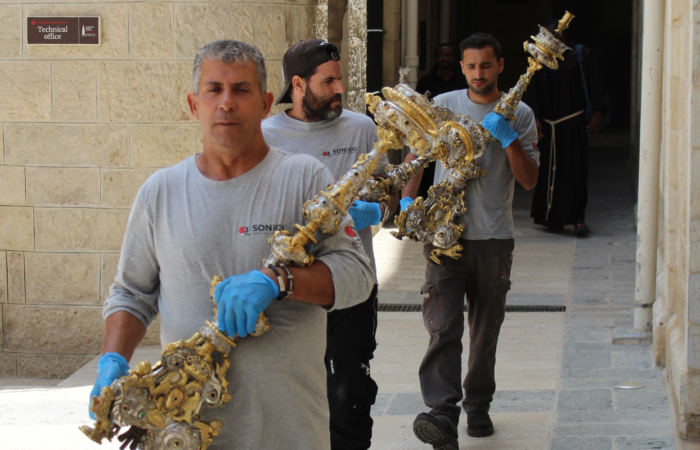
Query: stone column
[[392, 42], [357, 54], [444, 21], [411, 59], [650, 147], [690, 421], [320, 27]]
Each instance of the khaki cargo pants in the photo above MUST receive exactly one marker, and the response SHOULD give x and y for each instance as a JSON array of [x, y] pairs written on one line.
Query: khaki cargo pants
[[483, 274]]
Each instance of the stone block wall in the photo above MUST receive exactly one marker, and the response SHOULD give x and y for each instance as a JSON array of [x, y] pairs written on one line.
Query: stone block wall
[[676, 325], [81, 128]]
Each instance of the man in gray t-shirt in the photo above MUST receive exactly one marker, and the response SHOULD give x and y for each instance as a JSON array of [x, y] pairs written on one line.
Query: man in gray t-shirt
[[483, 270], [318, 126], [211, 215]]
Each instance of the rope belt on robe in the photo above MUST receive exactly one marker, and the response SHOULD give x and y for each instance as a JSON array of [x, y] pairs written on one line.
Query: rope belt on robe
[[553, 158]]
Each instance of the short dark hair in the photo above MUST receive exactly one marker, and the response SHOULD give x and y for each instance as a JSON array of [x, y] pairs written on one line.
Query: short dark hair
[[444, 44], [480, 40], [307, 76]]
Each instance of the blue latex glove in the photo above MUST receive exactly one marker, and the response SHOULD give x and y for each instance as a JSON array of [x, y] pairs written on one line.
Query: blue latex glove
[[241, 298], [365, 214], [405, 203], [499, 128], [111, 366]]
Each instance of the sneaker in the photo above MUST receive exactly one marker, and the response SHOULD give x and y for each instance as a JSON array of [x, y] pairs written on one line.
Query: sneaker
[[479, 423], [433, 431], [581, 229]]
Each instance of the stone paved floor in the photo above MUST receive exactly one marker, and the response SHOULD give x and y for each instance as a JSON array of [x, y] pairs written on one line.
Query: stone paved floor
[[555, 371]]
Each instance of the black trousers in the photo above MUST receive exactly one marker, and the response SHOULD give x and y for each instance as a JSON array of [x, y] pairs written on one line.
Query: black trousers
[[483, 274], [351, 390]]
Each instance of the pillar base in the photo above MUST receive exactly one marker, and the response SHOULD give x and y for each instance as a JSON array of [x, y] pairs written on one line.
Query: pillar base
[[643, 317], [628, 336]]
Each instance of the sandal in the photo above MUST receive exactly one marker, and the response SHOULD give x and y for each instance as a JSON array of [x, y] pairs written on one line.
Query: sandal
[[581, 229]]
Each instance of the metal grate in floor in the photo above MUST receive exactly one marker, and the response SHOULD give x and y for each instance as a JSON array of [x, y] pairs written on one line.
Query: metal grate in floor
[[410, 307]]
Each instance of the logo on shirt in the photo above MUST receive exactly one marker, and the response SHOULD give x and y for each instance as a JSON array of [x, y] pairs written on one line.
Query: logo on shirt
[[534, 145], [340, 151], [258, 229], [352, 232]]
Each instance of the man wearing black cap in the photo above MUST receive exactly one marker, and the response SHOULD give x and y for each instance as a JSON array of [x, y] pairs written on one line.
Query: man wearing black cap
[[317, 125]]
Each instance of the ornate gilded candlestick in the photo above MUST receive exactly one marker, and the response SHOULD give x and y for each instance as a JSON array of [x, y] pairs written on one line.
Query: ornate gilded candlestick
[[545, 51], [324, 213], [433, 133], [162, 403], [436, 133]]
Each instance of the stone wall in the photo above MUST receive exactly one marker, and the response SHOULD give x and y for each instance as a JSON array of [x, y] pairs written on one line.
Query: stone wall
[[81, 128], [356, 49], [677, 308]]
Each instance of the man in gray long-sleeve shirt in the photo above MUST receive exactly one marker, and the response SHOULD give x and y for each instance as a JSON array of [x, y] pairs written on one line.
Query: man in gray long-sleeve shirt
[[318, 126], [212, 214]]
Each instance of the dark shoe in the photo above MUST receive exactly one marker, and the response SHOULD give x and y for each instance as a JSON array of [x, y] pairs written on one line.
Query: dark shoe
[[433, 431], [479, 423], [581, 229]]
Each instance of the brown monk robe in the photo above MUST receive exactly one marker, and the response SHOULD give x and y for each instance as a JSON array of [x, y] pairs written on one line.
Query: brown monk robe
[[558, 100]]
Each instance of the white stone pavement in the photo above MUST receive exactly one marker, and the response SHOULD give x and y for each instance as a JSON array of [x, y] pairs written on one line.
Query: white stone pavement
[[36, 414]]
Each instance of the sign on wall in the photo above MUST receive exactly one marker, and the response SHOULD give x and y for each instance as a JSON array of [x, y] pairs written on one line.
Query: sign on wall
[[63, 30]]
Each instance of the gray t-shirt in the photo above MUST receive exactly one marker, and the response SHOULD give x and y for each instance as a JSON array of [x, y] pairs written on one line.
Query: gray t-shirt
[[185, 228], [489, 199], [336, 143]]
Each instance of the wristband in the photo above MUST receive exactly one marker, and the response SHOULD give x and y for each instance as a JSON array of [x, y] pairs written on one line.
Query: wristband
[[290, 281], [283, 293]]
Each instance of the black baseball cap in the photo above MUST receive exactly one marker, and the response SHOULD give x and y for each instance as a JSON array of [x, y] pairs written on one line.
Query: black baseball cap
[[301, 58]]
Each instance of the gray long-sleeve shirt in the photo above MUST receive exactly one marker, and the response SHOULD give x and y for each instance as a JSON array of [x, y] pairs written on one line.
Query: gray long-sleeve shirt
[[185, 228]]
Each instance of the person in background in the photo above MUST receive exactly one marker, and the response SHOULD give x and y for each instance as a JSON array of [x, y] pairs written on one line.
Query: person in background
[[569, 104], [445, 76]]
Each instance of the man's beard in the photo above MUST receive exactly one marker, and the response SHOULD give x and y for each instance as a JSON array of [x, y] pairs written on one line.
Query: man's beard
[[485, 89], [317, 108]]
